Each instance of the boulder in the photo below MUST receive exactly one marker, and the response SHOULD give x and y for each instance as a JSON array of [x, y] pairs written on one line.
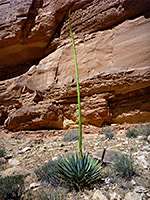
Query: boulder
[[35, 117], [109, 157], [15, 171], [133, 196]]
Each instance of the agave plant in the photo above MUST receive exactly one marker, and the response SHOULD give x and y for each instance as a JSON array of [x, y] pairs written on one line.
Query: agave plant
[[78, 171]]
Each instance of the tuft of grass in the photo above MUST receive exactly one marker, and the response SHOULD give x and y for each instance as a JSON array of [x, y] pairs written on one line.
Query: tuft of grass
[[123, 166], [71, 136], [51, 194], [11, 187], [47, 173], [46, 193], [145, 130], [132, 133], [109, 133], [2, 152], [77, 171]]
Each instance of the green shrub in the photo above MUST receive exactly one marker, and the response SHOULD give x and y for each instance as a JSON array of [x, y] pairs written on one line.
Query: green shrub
[[123, 166], [145, 130], [108, 132], [2, 152], [47, 173], [132, 133], [11, 187], [71, 136], [77, 171]]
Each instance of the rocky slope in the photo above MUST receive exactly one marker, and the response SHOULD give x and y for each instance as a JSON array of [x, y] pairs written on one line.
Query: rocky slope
[[37, 87], [25, 151]]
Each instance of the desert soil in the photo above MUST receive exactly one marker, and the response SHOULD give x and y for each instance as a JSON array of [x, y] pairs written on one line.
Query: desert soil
[[31, 149]]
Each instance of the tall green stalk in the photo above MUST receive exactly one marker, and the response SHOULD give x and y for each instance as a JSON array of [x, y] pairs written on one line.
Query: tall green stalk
[[78, 89]]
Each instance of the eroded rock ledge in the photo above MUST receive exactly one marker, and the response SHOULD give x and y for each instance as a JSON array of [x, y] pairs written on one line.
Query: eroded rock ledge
[[106, 98]]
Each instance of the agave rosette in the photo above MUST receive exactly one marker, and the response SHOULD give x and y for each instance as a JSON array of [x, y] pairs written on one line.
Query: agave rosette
[[78, 171]]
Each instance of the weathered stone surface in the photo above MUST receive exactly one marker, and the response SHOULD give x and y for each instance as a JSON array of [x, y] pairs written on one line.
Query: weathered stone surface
[[14, 171], [112, 43], [35, 117], [133, 196], [119, 104], [33, 29], [14, 162], [109, 157], [98, 195]]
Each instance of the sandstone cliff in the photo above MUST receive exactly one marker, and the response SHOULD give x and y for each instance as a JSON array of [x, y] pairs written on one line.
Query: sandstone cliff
[[37, 87]]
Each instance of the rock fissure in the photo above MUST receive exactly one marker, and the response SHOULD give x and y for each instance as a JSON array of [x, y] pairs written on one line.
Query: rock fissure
[[33, 11], [5, 2]]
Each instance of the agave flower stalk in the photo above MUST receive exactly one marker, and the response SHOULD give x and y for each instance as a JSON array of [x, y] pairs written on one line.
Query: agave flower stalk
[[78, 89]]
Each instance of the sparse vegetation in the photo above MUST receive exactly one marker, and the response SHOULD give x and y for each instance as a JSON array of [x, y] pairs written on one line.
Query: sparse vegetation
[[123, 166], [47, 173], [78, 171], [47, 193], [11, 187], [132, 133], [109, 134], [145, 130], [71, 170], [72, 135]]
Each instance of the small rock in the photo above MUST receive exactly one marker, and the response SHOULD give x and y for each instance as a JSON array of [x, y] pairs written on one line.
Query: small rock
[[14, 171], [139, 189], [146, 148], [14, 162], [132, 196], [142, 161], [55, 158], [148, 139], [148, 194], [133, 182], [8, 156], [98, 195], [2, 161], [115, 196], [34, 185], [24, 150], [86, 197], [96, 144]]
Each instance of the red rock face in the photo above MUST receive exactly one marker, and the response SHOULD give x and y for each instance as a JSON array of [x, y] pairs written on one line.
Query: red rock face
[[112, 41]]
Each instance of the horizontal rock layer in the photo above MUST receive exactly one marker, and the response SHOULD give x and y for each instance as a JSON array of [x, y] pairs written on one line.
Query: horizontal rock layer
[[112, 40], [106, 98]]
